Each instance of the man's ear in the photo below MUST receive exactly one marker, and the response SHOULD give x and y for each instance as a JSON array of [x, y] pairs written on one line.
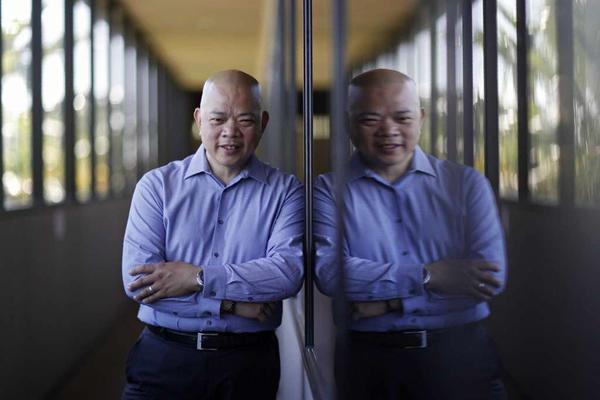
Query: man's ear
[[197, 117], [264, 120]]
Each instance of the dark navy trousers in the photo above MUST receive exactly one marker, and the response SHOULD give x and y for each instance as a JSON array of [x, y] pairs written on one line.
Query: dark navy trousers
[[161, 369], [459, 364]]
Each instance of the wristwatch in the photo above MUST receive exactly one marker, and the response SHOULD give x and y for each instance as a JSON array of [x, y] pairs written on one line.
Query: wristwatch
[[426, 276], [228, 306], [200, 280]]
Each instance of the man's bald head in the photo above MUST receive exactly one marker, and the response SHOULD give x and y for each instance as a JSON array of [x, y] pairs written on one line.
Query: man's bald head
[[231, 121], [233, 80], [379, 78]]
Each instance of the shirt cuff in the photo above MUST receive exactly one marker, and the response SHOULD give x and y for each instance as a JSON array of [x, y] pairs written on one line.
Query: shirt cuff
[[209, 308], [413, 286], [215, 278]]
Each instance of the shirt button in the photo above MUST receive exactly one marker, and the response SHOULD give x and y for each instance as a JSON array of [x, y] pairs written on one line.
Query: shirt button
[[212, 293], [399, 220], [417, 311], [370, 297], [216, 254], [208, 322], [250, 298], [175, 313], [220, 222], [206, 313], [405, 253], [413, 320]]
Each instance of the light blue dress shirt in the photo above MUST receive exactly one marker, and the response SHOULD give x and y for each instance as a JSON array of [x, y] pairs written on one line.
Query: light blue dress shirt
[[436, 210], [247, 237]]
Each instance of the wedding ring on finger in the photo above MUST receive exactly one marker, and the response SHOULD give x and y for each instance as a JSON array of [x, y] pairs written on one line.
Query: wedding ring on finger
[[481, 285], [150, 289]]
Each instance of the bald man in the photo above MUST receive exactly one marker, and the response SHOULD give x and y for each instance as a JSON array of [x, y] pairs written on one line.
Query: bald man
[[213, 244], [423, 253]]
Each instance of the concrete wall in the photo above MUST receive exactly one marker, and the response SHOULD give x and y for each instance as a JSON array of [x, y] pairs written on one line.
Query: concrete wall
[[546, 324], [60, 290]]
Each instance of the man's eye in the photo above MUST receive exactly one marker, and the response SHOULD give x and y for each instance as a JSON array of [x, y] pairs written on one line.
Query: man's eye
[[247, 122], [216, 120], [368, 121]]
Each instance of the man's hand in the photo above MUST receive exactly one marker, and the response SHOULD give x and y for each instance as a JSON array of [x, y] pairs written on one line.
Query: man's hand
[[165, 279], [259, 311], [367, 309], [464, 277]]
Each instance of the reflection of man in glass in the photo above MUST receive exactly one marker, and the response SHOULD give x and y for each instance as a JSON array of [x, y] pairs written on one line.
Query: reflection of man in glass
[[213, 243], [423, 252]]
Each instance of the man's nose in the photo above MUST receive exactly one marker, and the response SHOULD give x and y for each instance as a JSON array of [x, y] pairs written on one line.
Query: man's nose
[[389, 127], [230, 128]]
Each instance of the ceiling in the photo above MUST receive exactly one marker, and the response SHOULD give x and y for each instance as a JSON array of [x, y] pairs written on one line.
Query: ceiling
[[195, 38]]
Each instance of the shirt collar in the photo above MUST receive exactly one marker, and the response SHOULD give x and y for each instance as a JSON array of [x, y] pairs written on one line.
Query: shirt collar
[[199, 164], [419, 163]]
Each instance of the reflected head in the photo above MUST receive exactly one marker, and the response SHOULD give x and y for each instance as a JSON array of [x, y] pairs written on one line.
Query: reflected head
[[385, 120]]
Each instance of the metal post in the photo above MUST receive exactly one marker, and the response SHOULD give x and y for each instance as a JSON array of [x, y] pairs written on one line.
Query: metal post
[[434, 90], [451, 99], [490, 72], [308, 181], [339, 152], [523, 100], [1, 124], [467, 33], [69, 112], [37, 111], [566, 85], [92, 99]]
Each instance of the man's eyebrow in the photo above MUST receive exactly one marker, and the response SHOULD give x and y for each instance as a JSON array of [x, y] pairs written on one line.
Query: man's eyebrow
[[217, 113], [368, 114], [246, 114], [406, 111]]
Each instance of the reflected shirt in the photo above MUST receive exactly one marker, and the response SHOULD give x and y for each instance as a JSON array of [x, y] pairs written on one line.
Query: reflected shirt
[[247, 237], [436, 210]]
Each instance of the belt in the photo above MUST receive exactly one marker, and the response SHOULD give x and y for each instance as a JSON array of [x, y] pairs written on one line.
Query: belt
[[409, 339], [416, 339], [214, 340]]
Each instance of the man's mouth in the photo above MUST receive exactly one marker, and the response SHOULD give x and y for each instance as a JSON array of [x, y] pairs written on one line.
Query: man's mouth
[[390, 146], [230, 147]]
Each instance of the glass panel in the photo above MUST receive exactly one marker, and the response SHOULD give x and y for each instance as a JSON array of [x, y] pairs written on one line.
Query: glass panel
[[478, 88], [423, 77], [441, 103], [130, 110], [543, 100], [53, 94], [117, 100], [405, 59], [507, 98], [587, 102], [82, 81], [101, 70], [16, 103]]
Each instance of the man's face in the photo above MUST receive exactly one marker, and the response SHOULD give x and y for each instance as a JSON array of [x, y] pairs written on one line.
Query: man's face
[[385, 125], [231, 125]]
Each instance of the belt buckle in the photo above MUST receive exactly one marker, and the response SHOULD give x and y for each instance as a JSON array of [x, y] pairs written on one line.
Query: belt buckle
[[200, 344], [422, 335]]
